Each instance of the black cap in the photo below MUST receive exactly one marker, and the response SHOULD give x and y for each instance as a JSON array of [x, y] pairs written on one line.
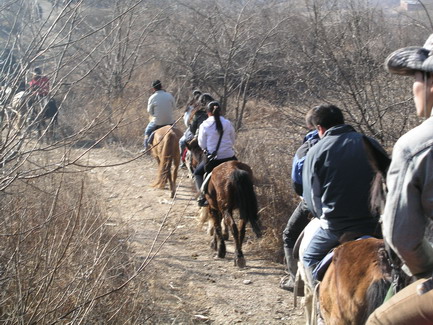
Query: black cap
[[37, 71], [156, 84], [211, 105]]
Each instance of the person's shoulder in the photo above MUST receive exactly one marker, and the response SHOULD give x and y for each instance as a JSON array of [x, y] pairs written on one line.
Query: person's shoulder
[[166, 94], [416, 139]]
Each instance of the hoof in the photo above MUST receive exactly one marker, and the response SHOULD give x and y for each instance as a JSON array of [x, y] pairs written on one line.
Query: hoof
[[240, 262], [226, 236]]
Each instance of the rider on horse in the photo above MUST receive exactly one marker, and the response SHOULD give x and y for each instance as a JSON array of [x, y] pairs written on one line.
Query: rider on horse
[[187, 136], [40, 84], [160, 106], [336, 185], [300, 217], [216, 136], [409, 204]]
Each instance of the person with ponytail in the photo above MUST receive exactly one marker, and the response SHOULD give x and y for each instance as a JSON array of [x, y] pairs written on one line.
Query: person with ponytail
[[216, 136]]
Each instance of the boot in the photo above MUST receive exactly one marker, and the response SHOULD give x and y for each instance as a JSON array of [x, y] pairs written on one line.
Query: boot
[[288, 282], [202, 201], [292, 263], [311, 282]]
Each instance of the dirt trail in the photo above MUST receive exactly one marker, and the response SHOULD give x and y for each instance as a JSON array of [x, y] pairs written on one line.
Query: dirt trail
[[185, 278]]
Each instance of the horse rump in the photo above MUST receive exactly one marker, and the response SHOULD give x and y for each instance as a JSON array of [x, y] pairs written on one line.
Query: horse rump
[[166, 151], [245, 198]]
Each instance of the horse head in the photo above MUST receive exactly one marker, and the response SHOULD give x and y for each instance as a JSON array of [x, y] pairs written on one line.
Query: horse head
[[196, 152]]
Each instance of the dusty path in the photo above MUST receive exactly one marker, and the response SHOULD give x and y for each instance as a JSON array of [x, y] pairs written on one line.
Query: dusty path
[[185, 279]]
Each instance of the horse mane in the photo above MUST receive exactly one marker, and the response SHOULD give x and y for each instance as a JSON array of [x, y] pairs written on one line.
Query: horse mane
[[379, 161]]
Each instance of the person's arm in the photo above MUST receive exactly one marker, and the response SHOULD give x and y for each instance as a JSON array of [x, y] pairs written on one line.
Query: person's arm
[[297, 166], [311, 183], [202, 137], [150, 106], [409, 205], [297, 174], [193, 127]]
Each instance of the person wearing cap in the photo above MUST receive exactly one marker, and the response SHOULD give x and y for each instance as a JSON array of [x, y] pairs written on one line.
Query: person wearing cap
[[301, 215], [40, 84], [336, 180], [216, 136], [409, 202], [192, 104], [160, 107]]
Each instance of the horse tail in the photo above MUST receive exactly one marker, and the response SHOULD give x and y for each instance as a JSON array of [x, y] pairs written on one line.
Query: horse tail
[[165, 160], [246, 198], [375, 296]]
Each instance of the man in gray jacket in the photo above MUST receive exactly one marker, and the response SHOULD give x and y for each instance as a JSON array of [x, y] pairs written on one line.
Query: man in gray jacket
[[160, 107], [409, 203]]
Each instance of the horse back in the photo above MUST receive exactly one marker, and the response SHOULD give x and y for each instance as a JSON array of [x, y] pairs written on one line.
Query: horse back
[[225, 182], [221, 183], [167, 131], [343, 291]]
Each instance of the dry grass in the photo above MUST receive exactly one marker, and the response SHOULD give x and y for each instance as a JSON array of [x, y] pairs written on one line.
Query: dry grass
[[59, 257], [267, 143]]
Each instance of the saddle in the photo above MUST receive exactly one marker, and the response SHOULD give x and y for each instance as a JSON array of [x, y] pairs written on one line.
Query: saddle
[[203, 188], [152, 135]]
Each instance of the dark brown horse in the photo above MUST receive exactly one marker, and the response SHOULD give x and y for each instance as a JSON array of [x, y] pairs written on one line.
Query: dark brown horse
[[230, 188], [165, 149]]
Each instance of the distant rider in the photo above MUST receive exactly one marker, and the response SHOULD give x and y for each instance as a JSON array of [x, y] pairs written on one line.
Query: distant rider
[[160, 107]]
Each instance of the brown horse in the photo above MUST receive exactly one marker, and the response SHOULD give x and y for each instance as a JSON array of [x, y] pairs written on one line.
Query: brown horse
[[165, 148], [230, 188], [356, 282], [360, 273]]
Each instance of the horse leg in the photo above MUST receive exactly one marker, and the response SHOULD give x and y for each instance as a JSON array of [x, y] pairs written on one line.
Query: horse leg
[[218, 240], [174, 176], [171, 181], [239, 259], [225, 229]]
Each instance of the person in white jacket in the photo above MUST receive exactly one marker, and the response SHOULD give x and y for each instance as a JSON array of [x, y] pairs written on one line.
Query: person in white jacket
[[160, 107], [216, 136], [409, 202]]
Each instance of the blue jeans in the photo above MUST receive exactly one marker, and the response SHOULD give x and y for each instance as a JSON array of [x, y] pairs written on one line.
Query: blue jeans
[[149, 129], [322, 242], [187, 136]]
